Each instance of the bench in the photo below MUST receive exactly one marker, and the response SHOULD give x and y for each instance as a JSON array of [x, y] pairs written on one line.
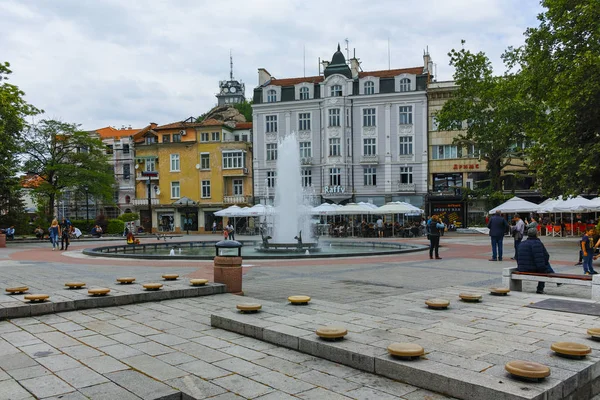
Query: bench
[[513, 279]]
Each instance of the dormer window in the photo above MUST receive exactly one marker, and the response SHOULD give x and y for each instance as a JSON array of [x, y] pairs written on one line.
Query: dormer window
[[369, 87], [404, 85], [150, 139], [336, 91], [304, 93], [271, 96]]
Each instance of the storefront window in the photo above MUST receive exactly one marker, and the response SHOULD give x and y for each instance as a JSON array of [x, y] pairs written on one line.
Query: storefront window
[[448, 184]]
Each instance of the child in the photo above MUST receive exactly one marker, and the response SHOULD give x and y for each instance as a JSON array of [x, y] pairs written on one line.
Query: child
[[587, 247], [225, 234]]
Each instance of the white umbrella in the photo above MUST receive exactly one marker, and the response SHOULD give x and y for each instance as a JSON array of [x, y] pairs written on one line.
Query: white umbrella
[[398, 207], [353, 209], [515, 205], [324, 209], [575, 204], [233, 211]]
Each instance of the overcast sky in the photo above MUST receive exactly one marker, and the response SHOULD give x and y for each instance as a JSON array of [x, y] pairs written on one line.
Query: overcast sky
[[131, 62]]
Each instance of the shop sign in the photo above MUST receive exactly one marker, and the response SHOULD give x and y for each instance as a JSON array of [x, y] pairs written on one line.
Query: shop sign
[[466, 166], [333, 189]]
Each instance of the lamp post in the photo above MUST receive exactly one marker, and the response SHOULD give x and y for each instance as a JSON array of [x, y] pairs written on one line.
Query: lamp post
[[187, 210], [150, 174], [87, 205]]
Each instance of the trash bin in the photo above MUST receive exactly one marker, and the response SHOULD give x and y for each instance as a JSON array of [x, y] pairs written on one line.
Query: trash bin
[[2, 240], [228, 265]]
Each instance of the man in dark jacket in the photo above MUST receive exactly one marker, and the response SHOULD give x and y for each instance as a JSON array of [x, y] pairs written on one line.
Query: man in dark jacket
[[498, 227], [533, 257]]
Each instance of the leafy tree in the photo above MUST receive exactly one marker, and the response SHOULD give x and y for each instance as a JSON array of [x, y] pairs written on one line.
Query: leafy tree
[[559, 69], [245, 109], [128, 217], [64, 157], [495, 113], [13, 111]]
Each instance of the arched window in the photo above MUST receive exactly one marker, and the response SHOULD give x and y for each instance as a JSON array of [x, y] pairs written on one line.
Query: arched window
[[369, 87], [128, 210], [404, 85], [271, 96], [336, 91], [127, 199], [304, 93]]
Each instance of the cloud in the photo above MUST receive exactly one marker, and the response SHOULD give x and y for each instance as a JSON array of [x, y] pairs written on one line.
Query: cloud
[[119, 63]]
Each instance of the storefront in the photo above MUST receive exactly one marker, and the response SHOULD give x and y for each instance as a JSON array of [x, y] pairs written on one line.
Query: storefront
[[450, 210]]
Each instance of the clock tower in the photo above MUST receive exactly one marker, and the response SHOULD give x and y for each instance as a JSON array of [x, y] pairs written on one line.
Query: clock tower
[[231, 91]]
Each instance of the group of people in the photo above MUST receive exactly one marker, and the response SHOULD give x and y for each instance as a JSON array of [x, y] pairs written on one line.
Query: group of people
[[9, 232], [229, 231], [62, 231]]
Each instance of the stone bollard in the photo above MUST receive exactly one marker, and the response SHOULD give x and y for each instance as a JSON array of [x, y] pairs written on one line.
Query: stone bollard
[[2, 240], [228, 265]]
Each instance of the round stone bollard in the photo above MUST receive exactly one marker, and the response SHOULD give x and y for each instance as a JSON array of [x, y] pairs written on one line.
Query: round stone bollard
[[228, 265], [2, 240]]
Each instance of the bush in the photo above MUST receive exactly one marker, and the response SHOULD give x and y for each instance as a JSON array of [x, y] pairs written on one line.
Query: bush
[[115, 226], [84, 226], [128, 217]]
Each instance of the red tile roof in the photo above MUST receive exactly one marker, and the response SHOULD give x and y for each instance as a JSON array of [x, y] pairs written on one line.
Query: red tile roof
[[178, 125], [211, 122], [390, 73], [110, 132], [243, 125], [295, 81]]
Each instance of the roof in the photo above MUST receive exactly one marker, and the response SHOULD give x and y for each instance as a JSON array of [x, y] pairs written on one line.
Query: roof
[[295, 81], [390, 73], [110, 132], [243, 125], [211, 122], [178, 125], [31, 181]]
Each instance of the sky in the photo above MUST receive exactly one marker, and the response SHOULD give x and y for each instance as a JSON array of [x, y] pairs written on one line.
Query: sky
[[128, 63]]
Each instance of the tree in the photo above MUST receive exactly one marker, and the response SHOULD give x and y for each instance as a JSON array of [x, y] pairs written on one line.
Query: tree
[[245, 109], [64, 157], [559, 69], [495, 114], [13, 111]]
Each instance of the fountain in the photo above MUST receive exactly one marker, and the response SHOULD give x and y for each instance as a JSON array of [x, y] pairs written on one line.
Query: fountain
[[291, 215]]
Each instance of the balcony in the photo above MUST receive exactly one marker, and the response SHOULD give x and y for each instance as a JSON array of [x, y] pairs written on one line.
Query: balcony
[[407, 187], [237, 199], [369, 159], [306, 160], [140, 177], [144, 202]]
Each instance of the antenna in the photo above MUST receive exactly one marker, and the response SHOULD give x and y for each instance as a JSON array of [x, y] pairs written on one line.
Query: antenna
[[304, 59], [389, 55], [319, 66], [347, 49], [230, 66]]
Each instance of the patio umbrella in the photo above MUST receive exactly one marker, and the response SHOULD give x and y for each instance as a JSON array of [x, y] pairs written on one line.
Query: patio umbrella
[[516, 205], [398, 207]]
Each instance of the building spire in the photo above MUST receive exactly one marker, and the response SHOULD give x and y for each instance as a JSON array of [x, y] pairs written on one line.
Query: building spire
[[230, 66]]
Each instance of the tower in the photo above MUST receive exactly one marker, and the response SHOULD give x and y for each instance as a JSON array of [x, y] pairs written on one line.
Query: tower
[[231, 91]]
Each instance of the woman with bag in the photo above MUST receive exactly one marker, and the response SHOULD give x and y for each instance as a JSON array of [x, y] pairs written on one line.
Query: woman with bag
[[54, 231]]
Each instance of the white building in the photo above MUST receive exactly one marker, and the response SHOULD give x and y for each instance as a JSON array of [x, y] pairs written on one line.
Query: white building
[[362, 136]]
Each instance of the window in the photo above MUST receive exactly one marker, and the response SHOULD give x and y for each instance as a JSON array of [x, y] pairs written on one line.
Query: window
[[271, 177], [304, 121], [336, 90], [151, 165], [370, 176], [166, 138], [334, 117], [83, 149], [174, 162], [406, 175], [444, 152], [335, 176], [369, 147], [472, 151], [233, 159], [368, 117], [150, 139], [205, 189], [238, 187], [405, 85], [125, 149], [405, 115], [109, 149], [305, 149], [204, 137], [175, 190], [177, 138], [271, 123], [126, 171], [271, 96], [127, 200], [304, 93], [449, 183], [347, 117], [406, 146], [335, 147], [369, 87], [204, 161], [306, 177], [271, 151], [216, 136]]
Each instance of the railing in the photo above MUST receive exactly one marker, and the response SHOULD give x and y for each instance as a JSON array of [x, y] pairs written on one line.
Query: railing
[[306, 160], [144, 202], [237, 199], [140, 177], [407, 187], [369, 159]]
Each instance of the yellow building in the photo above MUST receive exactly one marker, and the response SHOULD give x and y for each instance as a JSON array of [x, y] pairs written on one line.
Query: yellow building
[[185, 171]]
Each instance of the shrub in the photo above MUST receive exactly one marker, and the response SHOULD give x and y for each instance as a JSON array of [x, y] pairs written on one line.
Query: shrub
[[115, 226], [128, 217]]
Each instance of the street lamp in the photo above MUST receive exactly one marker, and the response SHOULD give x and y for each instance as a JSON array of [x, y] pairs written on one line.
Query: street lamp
[[150, 174], [87, 206]]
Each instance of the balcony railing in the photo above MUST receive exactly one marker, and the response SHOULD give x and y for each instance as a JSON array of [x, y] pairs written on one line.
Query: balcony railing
[[144, 202], [407, 187], [237, 199], [369, 159], [306, 160], [140, 177]]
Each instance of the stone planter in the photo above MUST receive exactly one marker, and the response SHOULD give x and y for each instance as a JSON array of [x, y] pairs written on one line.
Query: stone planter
[[2, 240]]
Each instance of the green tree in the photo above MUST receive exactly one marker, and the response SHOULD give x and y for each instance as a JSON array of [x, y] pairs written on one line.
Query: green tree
[[491, 111], [245, 109], [13, 111], [559, 69], [64, 157]]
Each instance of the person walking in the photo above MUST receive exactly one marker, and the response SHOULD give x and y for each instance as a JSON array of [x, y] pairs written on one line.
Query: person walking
[[230, 231], [533, 257], [498, 227], [379, 227], [214, 227], [587, 247], [65, 230], [517, 231], [54, 231], [435, 229]]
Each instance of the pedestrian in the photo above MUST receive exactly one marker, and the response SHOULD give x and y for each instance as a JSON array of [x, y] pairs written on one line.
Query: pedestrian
[[214, 227], [379, 227], [533, 257], [435, 229], [498, 227], [587, 247], [65, 231], [54, 231], [230, 231], [517, 231]]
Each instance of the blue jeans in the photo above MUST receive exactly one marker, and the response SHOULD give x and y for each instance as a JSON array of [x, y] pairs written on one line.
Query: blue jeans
[[54, 240], [517, 243], [497, 247], [587, 262]]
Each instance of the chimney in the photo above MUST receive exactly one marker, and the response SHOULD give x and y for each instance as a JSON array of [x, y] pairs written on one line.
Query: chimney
[[153, 125], [427, 63], [354, 67], [325, 64], [263, 76]]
